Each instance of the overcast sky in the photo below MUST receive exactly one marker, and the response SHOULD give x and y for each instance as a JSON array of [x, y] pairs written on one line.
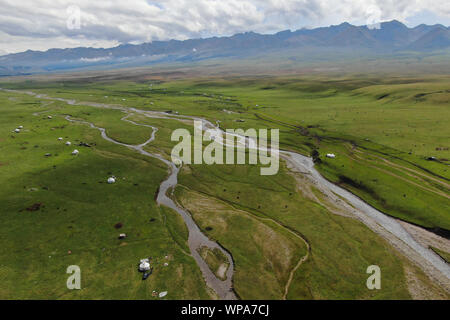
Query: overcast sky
[[44, 24]]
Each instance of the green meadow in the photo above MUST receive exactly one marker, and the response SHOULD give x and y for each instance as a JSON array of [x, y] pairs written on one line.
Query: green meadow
[[76, 223], [390, 136], [401, 120]]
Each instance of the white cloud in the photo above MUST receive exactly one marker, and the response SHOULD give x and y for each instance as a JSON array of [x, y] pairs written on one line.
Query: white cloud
[[42, 24]]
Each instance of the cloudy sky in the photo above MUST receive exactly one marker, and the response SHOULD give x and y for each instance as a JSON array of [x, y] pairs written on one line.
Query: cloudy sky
[[44, 24]]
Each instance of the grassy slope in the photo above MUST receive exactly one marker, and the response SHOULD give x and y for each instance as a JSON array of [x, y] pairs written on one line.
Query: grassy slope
[[263, 253], [79, 213], [341, 248]]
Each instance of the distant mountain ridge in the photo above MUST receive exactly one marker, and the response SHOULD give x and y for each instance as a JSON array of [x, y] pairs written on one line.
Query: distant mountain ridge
[[387, 37]]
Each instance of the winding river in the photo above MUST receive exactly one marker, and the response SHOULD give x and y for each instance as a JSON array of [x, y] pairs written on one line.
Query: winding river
[[196, 239], [387, 227]]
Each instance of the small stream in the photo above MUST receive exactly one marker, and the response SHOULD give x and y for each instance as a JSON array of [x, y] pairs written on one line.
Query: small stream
[[197, 239]]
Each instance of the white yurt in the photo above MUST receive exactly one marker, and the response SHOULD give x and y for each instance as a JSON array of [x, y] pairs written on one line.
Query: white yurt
[[75, 152], [111, 180], [59, 139], [68, 143], [17, 130], [144, 265]]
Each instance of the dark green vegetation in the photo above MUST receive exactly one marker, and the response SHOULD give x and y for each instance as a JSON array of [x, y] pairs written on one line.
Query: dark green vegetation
[[444, 255], [285, 244]]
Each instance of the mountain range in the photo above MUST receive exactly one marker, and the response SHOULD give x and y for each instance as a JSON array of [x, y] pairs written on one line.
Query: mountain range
[[385, 38]]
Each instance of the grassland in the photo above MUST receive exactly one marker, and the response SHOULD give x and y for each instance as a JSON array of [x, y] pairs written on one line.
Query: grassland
[[76, 220], [284, 244], [216, 260], [364, 120], [341, 248]]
